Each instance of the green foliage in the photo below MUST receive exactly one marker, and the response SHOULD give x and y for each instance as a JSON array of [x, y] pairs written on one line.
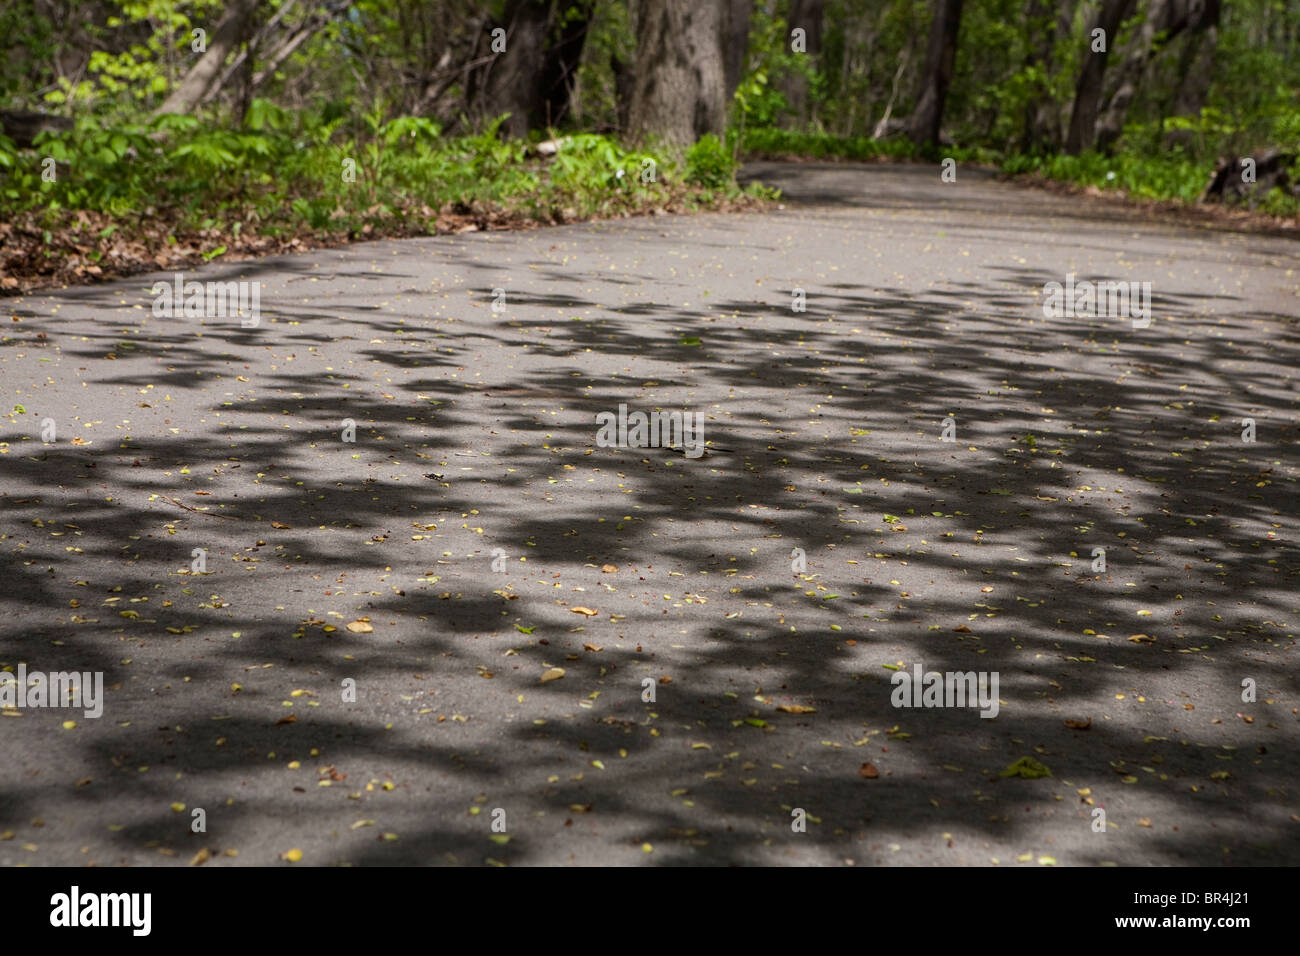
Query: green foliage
[[284, 170], [710, 164]]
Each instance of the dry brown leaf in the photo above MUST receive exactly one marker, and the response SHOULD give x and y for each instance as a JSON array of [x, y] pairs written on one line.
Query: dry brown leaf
[[961, 629], [360, 627], [583, 610], [868, 771], [609, 569], [281, 525], [291, 719], [1079, 724], [796, 709], [1142, 639], [592, 648]]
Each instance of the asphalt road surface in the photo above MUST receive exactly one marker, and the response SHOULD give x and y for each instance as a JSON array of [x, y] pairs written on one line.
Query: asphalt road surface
[[352, 649]]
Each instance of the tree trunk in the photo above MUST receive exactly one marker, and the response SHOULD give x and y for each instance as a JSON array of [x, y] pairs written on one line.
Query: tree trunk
[[221, 43], [735, 44], [1166, 19], [511, 84], [1087, 93], [1195, 72], [809, 16], [678, 89], [560, 62], [923, 127], [21, 126], [533, 78], [1041, 130]]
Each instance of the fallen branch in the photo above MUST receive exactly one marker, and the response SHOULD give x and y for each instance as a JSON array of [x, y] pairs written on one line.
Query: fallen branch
[[206, 514]]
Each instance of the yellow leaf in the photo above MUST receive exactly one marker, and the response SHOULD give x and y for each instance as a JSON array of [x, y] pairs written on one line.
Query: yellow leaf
[[554, 673], [293, 856], [584, 610], [360, 627]]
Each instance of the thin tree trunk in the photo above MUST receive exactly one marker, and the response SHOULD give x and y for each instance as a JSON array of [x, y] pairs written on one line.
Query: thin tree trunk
[[1166, 19], [809, 16], [923, 127], [221, 42], [1195, 72], [1087, 93], [735, 44], [561, 58]]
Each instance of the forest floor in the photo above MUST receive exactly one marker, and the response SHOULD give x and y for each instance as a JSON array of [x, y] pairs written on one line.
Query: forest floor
[[309, 639]]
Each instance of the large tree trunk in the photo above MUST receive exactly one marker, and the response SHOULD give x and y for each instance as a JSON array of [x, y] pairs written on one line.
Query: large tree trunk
[[678, 90], [533, 78], [923, 127], [809, 16], [512, 76], [221, 43], [1087, 92]]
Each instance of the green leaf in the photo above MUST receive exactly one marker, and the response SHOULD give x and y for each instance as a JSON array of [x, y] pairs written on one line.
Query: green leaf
[[1027, 768]]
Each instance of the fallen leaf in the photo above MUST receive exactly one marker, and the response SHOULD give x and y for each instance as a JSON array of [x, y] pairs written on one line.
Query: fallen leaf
[[360, 627], [609, 569], [1027, 768], [201, 857], [592, 648], [281, 525], [869, 771], [796, 709], [1142, 639], [293, 856], [554, 673], [1079, 724], [583, 610]]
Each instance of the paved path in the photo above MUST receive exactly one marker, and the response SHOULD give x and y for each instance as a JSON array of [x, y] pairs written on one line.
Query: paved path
[[224, 691]]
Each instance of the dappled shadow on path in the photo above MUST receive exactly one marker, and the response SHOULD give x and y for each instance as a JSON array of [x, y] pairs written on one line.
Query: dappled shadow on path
[[827, 427]]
